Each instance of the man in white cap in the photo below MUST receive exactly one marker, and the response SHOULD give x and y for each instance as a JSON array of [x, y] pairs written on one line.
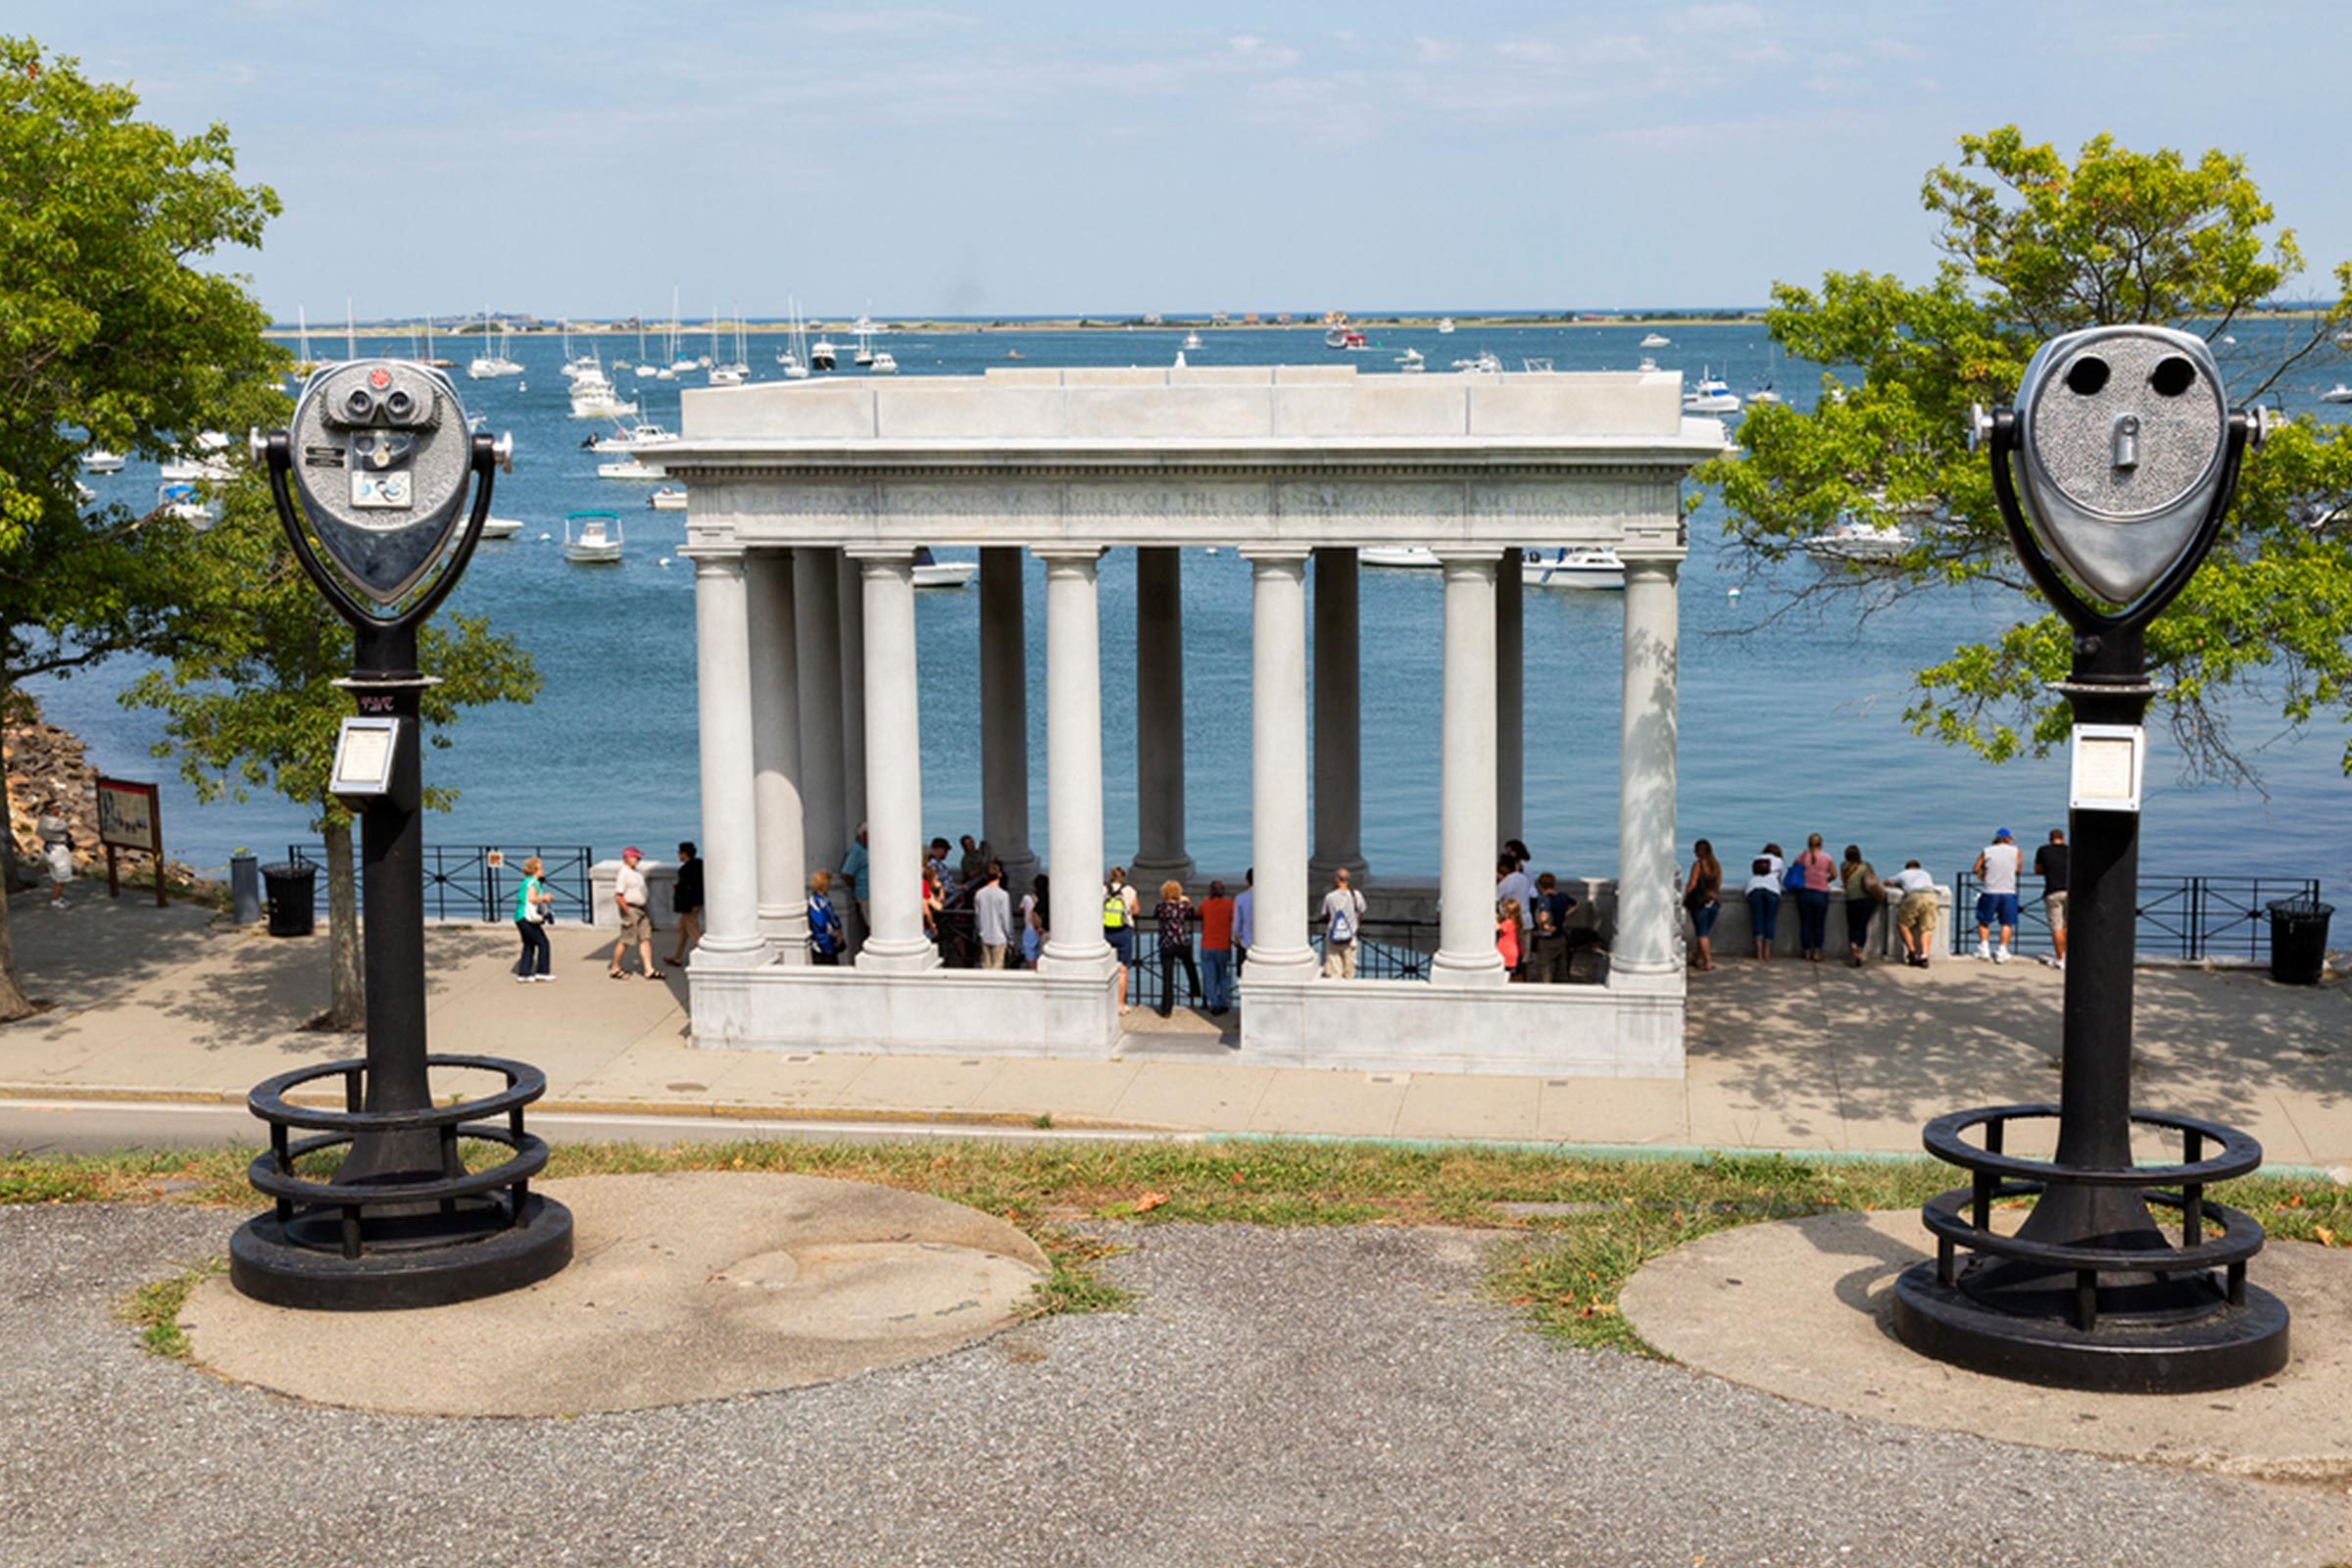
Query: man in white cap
[[630, 895], [1995, 871]]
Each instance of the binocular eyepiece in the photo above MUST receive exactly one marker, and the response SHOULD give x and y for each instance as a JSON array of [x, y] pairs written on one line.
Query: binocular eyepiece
[[380, 457], [2124, 454]]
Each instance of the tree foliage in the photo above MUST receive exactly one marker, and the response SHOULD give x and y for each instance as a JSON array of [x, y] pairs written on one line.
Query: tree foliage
[[2034, 246], [256, 705], [113, 331]]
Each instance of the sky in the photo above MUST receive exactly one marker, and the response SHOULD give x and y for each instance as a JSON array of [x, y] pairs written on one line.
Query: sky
[[584, 158]]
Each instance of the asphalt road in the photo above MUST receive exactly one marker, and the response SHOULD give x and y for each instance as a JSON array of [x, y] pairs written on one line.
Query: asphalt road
[[1322, 1396]]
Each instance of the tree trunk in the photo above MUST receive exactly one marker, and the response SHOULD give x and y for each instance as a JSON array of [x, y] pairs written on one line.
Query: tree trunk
[[14, 1003], [349, 1010]]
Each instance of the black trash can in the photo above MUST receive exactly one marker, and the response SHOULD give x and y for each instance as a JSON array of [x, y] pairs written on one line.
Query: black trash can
[[292, 887], [2299, 941]]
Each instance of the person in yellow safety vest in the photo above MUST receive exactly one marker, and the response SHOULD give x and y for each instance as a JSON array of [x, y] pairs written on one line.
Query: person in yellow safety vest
[[1119, 906]]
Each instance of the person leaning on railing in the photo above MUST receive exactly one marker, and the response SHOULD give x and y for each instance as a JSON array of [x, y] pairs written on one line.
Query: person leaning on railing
[[1915, 918]]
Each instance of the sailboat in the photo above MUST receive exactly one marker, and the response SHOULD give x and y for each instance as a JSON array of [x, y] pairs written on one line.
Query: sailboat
[[865, 354], [645, 370], [489, 365], [794, 358], [677, 359], [304, 364]]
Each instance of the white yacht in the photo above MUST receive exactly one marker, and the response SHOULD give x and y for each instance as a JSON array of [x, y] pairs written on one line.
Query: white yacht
[[822, 355], [1567, 567], [1584, 567], [1488, 363], [725, 375], [97, 460], [1856, 539], [1192, 340], [188, 502], [631, 469], [1444, 325], [1655, 340], [1713, 395], [592, 538], [596, 400], [932, 573], [1410, 363], [501, 527], [2338, 393], [885, 363], [635, 436], [670, 498]]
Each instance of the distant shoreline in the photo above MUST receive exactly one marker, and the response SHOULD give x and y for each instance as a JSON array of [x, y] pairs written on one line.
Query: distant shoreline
[[1064, 323]]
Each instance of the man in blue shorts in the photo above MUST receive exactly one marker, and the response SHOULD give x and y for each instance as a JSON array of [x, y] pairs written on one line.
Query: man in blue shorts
[[1995, 871]]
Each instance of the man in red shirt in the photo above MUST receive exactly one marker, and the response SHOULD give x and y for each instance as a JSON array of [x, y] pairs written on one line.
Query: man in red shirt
[[1216, 949]]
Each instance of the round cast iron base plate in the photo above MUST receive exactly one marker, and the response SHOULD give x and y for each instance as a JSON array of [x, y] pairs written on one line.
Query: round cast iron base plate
[[264, 1265], [2230, 1347]]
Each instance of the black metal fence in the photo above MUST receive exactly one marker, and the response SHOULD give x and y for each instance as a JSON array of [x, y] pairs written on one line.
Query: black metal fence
[[477, 881], [2179, 916]]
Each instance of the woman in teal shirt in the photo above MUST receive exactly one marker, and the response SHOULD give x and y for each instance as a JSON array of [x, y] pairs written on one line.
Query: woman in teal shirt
[[534, 906]]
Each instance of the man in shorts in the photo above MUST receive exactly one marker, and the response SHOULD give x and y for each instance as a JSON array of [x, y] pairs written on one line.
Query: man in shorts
[[2050, 864], [1995, 873], [1915, 916], [630, 896]]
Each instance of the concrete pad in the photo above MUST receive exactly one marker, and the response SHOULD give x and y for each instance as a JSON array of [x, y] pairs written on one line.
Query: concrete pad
[[1804, 1309], [1183, 1095], [685, 1286], [1362, 1104], [1456, 1105], [1613, 1110], [763, 1077]]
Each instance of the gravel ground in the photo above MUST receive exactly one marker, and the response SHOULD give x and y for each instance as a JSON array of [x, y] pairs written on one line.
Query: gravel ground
[[1333, 1396]]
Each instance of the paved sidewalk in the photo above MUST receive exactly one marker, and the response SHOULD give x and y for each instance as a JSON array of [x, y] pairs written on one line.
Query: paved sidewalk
[[166, 1003]]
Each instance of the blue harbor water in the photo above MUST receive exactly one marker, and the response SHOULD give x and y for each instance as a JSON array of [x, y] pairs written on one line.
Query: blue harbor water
[[1787, 727]]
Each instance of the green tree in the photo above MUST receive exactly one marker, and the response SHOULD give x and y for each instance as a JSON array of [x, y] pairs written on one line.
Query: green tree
[[111, 332], [256, 705], [2034, 246]]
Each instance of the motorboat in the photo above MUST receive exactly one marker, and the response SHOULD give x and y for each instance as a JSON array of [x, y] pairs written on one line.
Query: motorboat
[[1488, 363], [631, 469], [670, 498], [1713, 395], [1444, 325], [1192, 340], [725, 375], [1562, 566], [822, 354], [1578, 566], [1354, 341], [592, 538], [100, 461], [1335, 337], [1410, 363], [501, 527], [932, 573], [885, 363], [598, 400], [2338, 393], [1856, 538], [84, 495], [184, 469], [632, 437], [1655, 340], [188, 502]]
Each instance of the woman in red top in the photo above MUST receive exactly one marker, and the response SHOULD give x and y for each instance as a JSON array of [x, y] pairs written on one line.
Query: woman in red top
[[1507, 934], [1813, 899]]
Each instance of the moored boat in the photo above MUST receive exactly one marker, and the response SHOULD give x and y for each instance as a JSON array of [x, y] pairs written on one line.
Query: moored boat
[[592, 538]]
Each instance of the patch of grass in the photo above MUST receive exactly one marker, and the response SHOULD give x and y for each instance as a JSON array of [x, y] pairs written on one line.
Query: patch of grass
[[1074, 1286], [1563, 1269], [153, 1309]]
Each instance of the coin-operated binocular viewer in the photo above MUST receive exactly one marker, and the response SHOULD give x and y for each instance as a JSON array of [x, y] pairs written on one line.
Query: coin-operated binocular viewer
[[383, 459], [2125, 451]]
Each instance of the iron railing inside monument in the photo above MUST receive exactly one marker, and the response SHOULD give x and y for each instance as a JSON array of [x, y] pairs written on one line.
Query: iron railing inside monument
[[2179, 916], [477, 881]]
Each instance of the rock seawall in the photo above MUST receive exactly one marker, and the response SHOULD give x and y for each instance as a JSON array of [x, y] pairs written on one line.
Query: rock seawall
[[49, 771]]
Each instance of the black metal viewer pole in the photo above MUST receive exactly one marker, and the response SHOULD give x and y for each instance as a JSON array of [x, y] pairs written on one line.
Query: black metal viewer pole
[[384, 462], [2129, 455]]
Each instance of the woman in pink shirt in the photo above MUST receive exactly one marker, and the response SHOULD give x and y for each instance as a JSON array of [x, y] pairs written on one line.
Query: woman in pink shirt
[[1813, 899]]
